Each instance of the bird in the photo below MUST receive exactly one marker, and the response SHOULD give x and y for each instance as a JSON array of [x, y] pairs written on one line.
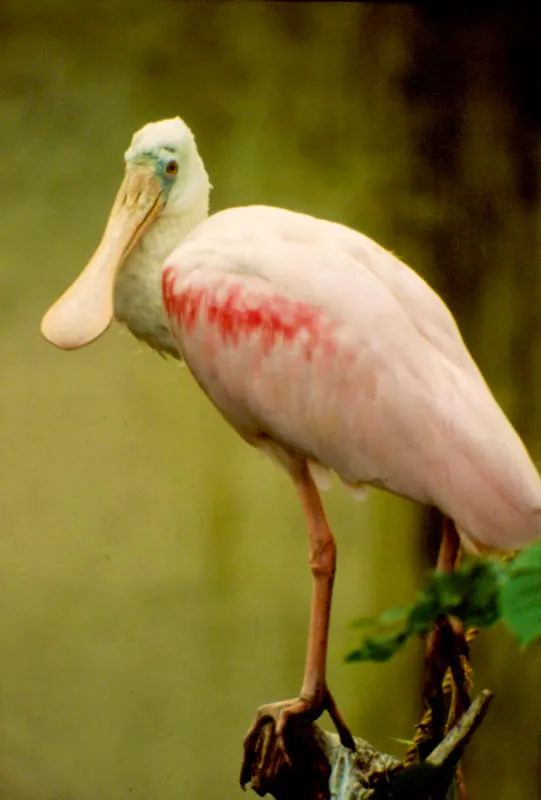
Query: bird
[[320, 347]]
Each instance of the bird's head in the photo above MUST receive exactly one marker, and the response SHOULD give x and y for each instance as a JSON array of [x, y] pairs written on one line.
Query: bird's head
[[164, 179]]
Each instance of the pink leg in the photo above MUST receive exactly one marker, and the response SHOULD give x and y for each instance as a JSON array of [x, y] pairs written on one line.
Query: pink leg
[[322, 561], [315, 697], [449, 553], [446, 647]]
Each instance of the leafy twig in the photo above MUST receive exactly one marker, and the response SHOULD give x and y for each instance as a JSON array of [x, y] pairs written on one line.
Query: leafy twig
[[479, 593]]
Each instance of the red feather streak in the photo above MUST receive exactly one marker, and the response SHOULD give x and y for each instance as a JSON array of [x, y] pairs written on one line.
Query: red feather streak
[[236, 314]]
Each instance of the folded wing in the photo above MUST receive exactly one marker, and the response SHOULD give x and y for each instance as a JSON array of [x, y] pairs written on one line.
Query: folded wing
[[303, 344]]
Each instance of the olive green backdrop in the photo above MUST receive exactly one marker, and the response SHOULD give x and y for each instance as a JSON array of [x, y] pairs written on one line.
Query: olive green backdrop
[[154, 587]]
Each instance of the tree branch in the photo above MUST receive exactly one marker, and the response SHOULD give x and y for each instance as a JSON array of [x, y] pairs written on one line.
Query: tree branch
[[320, 768]]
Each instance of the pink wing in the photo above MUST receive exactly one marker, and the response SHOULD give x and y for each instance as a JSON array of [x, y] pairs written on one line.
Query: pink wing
[[427, 311], [302, 345]]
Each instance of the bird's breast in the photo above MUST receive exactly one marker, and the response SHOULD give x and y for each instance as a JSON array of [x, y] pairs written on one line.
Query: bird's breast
[[138, 303]]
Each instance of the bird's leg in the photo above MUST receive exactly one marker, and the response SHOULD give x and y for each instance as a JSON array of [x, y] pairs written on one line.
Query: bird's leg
[[457, 648], [449, 551], [315, 697], [445, 643], [446, 657]]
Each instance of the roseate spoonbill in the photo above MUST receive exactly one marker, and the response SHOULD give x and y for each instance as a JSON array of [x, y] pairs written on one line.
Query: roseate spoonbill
[[318, 346]]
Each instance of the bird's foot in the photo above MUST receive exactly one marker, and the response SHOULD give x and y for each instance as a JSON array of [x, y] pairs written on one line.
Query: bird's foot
[[273, 722]]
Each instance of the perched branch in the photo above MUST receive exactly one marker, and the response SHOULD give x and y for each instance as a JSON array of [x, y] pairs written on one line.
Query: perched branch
[[318, 767]]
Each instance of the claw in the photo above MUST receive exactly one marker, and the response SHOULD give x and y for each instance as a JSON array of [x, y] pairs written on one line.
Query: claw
[[266, 746], [340, 724]]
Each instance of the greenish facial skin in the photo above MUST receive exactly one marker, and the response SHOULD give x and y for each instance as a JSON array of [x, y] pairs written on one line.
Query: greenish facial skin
[[164, 163]]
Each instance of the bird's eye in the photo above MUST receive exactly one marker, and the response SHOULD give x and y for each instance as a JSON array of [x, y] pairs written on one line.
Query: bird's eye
[[171, 168]]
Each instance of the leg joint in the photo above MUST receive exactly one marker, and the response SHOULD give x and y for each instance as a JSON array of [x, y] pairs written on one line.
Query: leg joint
[[322, 558]]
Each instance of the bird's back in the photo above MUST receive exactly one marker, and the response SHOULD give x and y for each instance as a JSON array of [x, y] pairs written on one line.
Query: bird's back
[[426, 309]]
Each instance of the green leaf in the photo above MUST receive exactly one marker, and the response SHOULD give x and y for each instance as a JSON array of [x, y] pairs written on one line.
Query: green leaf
[[521, 596], [470, 593], [479, 593], [391, 616], [379, 649]]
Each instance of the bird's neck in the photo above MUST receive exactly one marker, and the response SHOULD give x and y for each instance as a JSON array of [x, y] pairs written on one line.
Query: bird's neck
[[138, 289]]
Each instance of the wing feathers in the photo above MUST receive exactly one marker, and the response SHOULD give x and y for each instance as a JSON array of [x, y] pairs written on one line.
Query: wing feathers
[[301, 343]]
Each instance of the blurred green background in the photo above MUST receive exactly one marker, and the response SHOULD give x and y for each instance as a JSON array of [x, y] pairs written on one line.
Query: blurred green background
[[154, 586]]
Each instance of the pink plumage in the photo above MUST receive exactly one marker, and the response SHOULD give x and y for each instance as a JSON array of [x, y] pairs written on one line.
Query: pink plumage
[[319, 347], [303, 345]]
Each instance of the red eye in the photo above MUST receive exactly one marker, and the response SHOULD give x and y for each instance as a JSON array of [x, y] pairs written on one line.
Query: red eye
[[171, 168]]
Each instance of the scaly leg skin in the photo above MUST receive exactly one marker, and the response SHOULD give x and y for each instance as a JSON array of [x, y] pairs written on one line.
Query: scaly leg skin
[[315, 697]]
